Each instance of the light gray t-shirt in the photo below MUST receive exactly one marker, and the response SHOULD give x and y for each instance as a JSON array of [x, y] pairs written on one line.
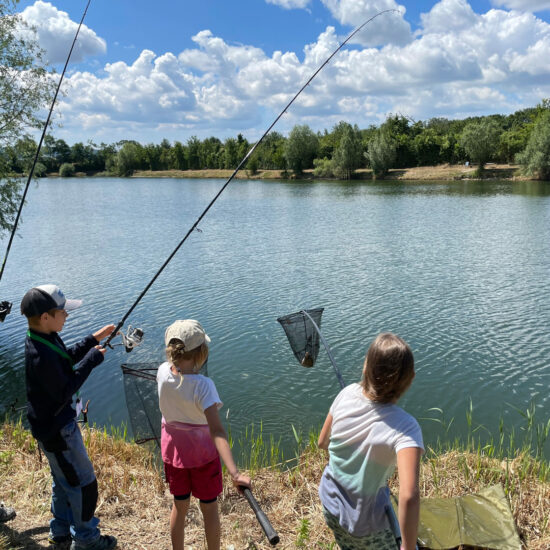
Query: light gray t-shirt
[[364, 442]]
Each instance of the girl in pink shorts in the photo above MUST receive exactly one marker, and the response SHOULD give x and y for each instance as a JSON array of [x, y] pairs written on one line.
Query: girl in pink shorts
[[192, 438]]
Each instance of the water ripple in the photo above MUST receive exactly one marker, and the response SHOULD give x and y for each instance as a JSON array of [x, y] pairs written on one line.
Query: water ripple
[[459, 270]]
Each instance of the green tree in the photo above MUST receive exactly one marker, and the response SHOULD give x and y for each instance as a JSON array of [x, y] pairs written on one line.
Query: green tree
[[427, 147], [397, 128], [152, 154], [381, 152], [25, 151], [513, 141], [66, 170], [480, 140], [271, 152], [55, 152], [193, 148], [230, 152], [210, 153], [242, 147], [348, 154], [301, 147], [25, 88], [323, 168], [127, 160], [535, 160], [180, 160]]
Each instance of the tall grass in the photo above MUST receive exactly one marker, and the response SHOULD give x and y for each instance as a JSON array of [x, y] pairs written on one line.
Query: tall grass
[[132, 486], [525, 446]]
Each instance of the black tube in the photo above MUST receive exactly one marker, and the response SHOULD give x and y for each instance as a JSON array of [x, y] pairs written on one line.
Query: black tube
[[270, 533]]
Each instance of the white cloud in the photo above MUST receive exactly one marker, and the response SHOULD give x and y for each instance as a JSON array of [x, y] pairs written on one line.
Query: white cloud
[[480, 63], [290, 4], [56, 32], [449, 16], [523, 5], [386, 28]]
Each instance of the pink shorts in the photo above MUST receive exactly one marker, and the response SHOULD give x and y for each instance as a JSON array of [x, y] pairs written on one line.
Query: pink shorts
[[203, 482]]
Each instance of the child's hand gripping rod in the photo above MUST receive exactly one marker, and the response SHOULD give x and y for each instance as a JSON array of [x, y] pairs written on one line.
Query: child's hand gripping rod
[[270, 533]]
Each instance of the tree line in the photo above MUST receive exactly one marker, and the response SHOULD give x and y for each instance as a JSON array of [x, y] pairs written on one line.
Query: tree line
[[27, 86], [522, 137]]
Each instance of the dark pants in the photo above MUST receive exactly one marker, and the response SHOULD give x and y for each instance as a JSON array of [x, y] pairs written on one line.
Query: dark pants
[[74, 486]]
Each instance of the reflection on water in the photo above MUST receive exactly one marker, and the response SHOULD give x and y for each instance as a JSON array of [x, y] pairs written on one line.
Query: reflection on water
[[459, 269]]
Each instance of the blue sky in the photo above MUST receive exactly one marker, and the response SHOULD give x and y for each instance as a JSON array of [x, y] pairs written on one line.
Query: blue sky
[[152, 70]]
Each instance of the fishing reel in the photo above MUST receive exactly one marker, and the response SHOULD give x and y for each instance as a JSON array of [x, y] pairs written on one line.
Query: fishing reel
[[5, 308], [132, 338]]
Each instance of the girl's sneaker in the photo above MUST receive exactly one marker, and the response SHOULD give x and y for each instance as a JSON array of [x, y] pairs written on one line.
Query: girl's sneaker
[[104, 542]]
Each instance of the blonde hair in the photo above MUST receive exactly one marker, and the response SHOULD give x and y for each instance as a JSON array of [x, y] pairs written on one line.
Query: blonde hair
[[175, 353], [389, 368]]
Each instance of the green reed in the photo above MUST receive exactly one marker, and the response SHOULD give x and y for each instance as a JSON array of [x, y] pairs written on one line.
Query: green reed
[[526, 446]]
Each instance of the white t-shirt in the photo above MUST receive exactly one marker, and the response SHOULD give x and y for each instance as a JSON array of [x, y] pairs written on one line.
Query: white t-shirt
[[364, 442], [188, 402]]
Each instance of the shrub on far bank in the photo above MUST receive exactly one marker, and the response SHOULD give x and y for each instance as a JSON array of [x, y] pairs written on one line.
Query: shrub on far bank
[[323, 168], [39, 170], [66, 170], [535, 159]]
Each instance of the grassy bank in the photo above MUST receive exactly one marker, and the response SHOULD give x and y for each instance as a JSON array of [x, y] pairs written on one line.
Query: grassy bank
[[443, 172], [134, 504]]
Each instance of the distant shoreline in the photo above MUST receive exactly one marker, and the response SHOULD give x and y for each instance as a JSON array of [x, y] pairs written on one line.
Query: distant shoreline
[[443, 172]]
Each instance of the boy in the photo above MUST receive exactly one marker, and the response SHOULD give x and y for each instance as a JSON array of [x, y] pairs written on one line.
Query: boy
[[52, 378]]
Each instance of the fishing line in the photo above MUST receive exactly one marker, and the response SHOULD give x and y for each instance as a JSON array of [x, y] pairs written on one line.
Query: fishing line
[[31, 172], [241, 164]]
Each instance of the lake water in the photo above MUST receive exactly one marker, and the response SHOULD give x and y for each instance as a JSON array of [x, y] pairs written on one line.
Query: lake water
[[460, 270]]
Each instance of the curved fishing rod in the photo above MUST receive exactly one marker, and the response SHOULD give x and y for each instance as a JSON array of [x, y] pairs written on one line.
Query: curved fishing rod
[[31, 172], [241, 164]]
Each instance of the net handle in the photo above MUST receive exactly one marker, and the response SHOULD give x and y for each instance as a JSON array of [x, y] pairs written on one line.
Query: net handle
[[329, 353]]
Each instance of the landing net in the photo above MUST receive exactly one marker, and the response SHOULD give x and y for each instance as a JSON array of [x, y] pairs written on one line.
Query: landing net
[[140, 391], [302, 335]]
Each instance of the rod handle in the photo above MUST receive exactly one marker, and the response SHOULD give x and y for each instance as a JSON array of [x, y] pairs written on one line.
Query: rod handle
[[270, 533]]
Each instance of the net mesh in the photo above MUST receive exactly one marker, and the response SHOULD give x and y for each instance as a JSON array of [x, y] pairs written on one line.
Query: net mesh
[[140, 391], [302, 335]]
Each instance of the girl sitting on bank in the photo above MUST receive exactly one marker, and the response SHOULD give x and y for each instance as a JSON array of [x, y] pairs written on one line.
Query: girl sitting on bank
[[366, 434]]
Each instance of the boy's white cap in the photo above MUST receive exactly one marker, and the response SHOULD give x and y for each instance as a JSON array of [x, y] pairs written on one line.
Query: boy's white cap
[[188, 331], [42, 298]]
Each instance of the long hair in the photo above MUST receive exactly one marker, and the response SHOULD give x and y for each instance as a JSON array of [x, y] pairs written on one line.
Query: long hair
[[389, 368]]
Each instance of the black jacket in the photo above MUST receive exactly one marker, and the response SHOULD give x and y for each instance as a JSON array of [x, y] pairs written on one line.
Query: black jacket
[[52, 381]]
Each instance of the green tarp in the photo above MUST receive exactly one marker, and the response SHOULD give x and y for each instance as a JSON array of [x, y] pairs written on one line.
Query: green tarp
[[483, 520]]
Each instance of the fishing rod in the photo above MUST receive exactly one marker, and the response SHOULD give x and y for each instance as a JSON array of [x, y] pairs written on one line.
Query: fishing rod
[[296, 329], [241, 164], [5, 306]]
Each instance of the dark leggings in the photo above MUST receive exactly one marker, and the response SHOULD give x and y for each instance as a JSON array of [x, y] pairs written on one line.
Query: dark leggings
[[185, 497]]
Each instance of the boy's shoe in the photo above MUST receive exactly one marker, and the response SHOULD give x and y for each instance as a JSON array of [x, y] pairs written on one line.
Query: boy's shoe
[[104, 542], [62, 542], [6, 513]]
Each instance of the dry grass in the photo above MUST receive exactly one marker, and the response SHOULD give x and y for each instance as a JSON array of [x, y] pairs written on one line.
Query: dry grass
[[134, 504]]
